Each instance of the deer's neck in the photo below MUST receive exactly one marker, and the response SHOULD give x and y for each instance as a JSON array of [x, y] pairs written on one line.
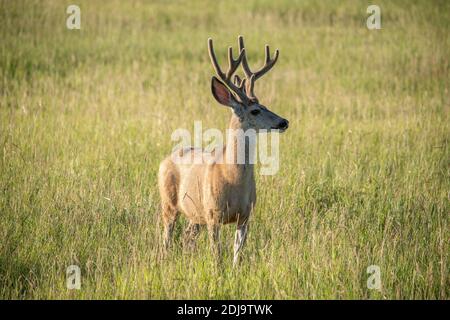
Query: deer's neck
[[237, 168]]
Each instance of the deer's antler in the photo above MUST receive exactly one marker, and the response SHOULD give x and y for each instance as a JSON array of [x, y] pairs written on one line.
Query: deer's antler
[[251, 77], [238, 89]]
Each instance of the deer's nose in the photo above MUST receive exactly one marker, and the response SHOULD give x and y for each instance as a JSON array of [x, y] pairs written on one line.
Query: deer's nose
[[284, 124]]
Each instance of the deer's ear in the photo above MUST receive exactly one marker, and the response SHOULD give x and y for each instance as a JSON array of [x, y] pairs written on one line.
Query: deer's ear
[[221, 92]]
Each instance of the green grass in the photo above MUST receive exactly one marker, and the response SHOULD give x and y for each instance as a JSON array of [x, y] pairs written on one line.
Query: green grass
[[86, 117]]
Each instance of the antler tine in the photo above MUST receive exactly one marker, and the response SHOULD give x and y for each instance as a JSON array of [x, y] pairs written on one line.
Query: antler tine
[[212, 56], [232, 66], [247, 71], [251, 86], [269, 62], [239, 82]]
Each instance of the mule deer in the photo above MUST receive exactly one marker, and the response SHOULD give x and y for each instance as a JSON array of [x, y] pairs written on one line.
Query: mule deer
[[216, 193]]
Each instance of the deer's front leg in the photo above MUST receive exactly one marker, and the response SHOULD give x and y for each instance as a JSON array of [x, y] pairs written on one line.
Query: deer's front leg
[[214, 238], [239, 240]]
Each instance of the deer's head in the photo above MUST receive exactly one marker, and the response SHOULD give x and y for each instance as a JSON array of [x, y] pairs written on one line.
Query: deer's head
[[238, 93]]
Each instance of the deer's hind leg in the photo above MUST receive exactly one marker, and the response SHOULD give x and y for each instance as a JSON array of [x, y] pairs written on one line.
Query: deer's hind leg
[[214, 240], [168, 181], [169, 215]]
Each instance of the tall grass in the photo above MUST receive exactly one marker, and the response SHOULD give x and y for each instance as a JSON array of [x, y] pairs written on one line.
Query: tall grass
[[86, 117]]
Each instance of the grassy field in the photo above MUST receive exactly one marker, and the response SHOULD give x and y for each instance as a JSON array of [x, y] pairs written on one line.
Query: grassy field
[[86, 116]]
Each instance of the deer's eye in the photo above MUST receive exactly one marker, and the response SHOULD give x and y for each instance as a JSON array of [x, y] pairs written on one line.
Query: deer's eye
[[255, 112]]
